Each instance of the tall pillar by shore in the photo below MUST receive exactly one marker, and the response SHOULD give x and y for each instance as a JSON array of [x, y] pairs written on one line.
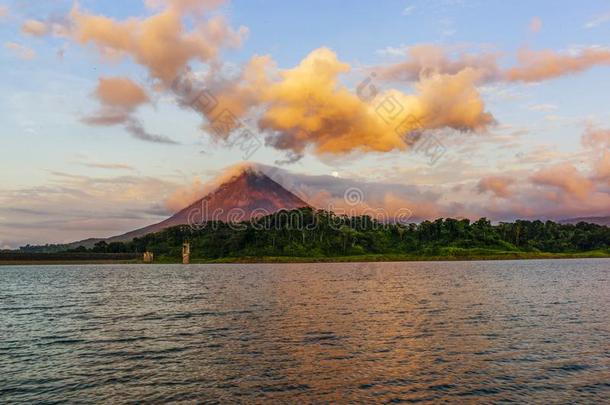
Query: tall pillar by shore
[[148, 257], [186, 253]]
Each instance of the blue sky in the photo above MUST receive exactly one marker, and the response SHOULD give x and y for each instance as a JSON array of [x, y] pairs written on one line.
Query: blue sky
[[49, 86]]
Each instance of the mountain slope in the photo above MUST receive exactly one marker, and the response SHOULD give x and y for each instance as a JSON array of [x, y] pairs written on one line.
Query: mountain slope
[[592, 220], [248, 193]]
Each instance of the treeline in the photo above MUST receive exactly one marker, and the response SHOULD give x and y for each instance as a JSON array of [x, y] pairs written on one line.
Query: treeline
[[309, 233], [48, 248]]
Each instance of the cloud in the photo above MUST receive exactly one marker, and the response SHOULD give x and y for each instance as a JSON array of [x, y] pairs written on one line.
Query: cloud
[[426, 59], [565, 177], [184, 6], [72, 207], [109, 166], [597, 141], [299, 107], [308, 106], [329, 192], [4, 11], [408, 10], [34, 28], [543, 65], [135, 128], [597, 21], [215, 95], [596, 137], [532, 66], [535, 25], [498, 185], [21, 51], [542, 107], [162, 43], [601, 169], [107, 117], [325, 192], [119, 98], [184, 196], [120, 92]]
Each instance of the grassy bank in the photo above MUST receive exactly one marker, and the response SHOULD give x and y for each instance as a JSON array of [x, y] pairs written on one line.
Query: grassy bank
[[408, 258], [449, 255]]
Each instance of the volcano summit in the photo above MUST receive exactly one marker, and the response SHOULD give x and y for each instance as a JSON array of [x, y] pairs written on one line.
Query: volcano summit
[[238, 197]]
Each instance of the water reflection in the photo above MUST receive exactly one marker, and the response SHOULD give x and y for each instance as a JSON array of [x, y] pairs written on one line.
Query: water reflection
[[476, 331]]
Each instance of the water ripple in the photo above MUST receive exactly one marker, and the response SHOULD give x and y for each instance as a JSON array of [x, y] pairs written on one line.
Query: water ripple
[[531, 331]]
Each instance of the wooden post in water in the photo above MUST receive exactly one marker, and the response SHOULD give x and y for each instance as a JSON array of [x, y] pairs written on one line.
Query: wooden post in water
[[186, 253]]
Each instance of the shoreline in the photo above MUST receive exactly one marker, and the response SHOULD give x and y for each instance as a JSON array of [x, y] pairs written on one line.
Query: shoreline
[[335, 259]]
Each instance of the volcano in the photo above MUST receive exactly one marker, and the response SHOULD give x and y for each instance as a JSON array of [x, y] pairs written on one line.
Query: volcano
[[248, 193]]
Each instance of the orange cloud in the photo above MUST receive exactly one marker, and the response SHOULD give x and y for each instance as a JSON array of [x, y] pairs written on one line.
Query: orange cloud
[[186, 5], [215, 94], [565, 177], [426, 59], [120, 92], [596, 137], [186, 195], [107, 116], [602, 168], [542, 65], [535, 25], [498, 185], [453, 101], [120, 97], [3, 11], [160, 42], [309, 106], [34, 28], [21, 51]]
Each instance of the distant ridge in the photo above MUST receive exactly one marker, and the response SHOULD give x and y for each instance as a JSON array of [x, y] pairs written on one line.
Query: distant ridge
[[593, 220]]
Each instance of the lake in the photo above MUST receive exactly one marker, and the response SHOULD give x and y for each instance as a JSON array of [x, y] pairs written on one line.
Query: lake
[[523, 331]]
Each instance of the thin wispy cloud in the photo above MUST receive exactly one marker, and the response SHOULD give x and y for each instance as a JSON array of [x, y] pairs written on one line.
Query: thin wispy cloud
[[20, 50], [597, 21], [542, 107], [408, 10], [109, 166], [535, 25], [135, 128]]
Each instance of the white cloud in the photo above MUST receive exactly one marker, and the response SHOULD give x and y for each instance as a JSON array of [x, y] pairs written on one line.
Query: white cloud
[[597, 21], [542, 107], [408, 10]]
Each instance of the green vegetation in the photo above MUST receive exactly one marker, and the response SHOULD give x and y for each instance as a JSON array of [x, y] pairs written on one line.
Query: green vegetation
[[308, 235]]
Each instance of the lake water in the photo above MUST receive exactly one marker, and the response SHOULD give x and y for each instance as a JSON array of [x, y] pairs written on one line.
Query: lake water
[[524, 331]]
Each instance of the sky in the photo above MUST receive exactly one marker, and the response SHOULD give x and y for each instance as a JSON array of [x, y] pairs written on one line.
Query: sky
[[116, 114]]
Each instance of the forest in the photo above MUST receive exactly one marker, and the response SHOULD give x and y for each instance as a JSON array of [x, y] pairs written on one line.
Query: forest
[[310, 233]]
